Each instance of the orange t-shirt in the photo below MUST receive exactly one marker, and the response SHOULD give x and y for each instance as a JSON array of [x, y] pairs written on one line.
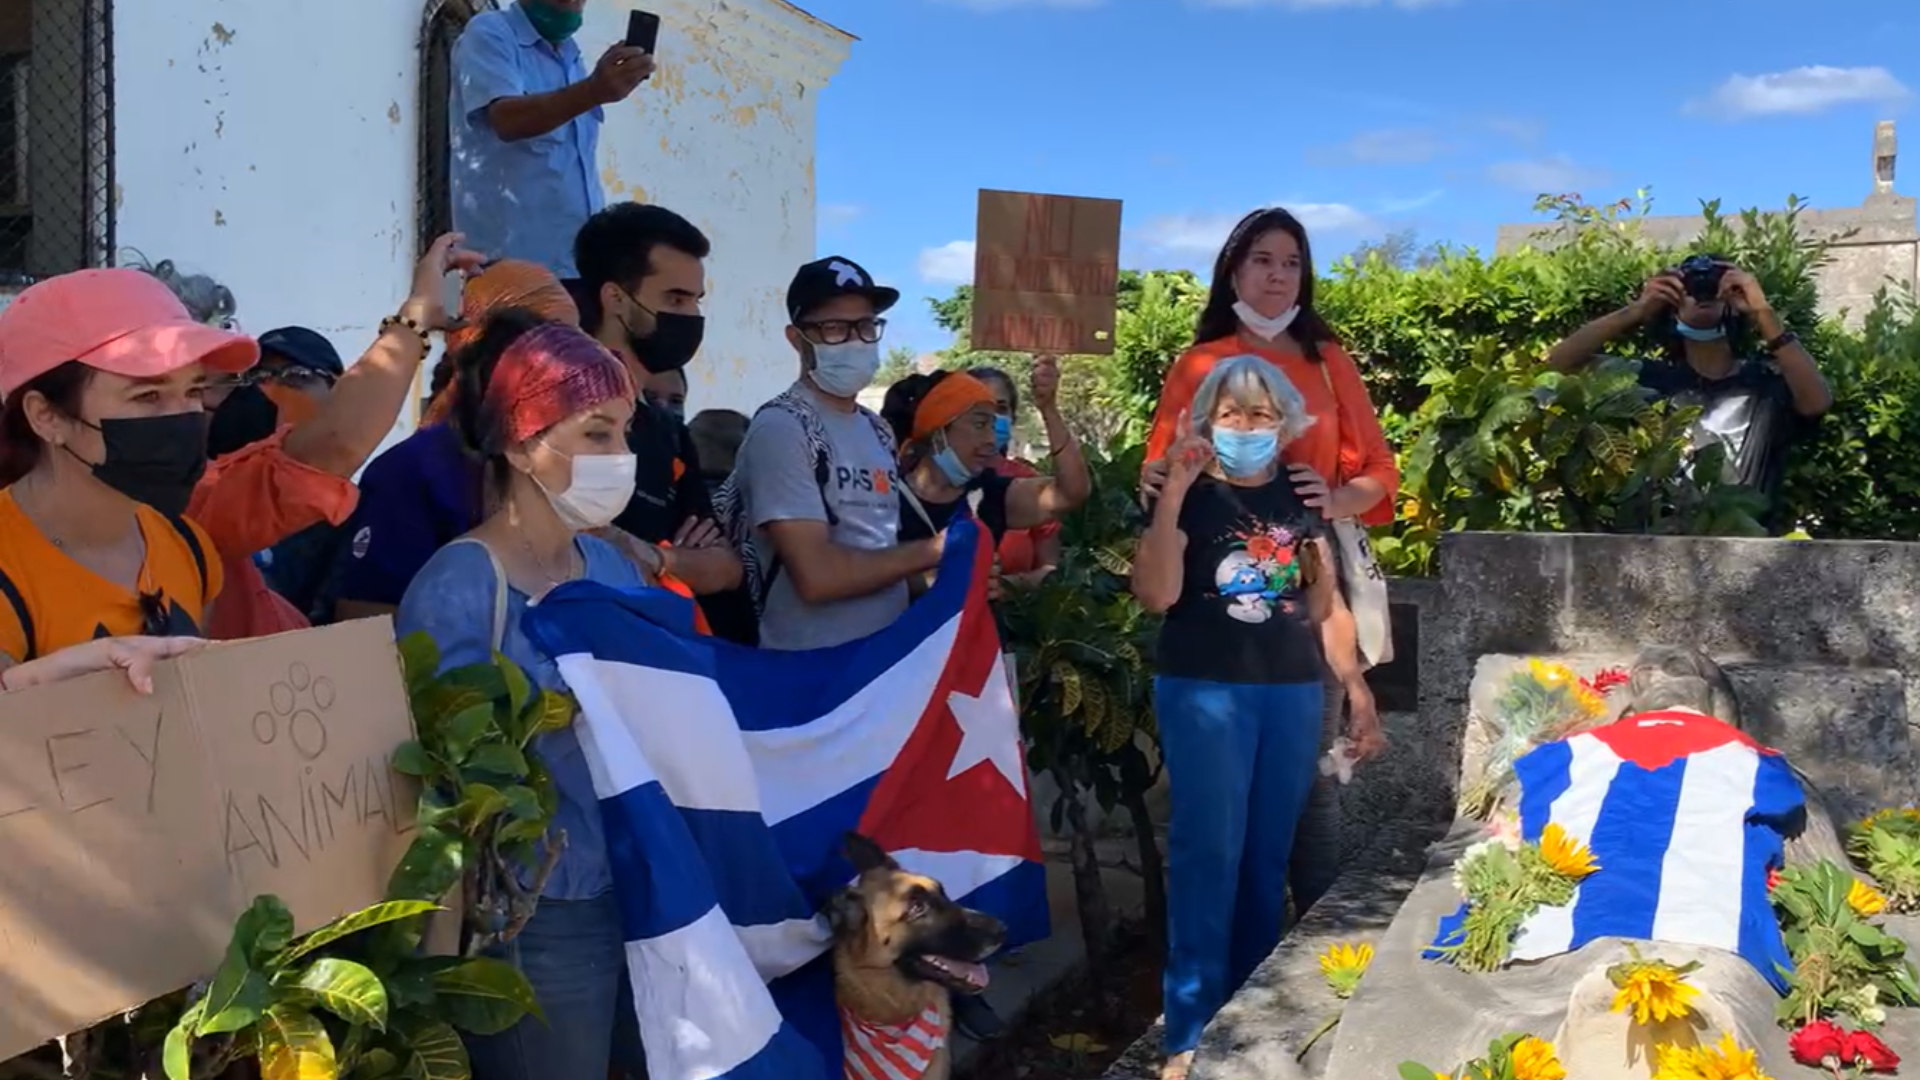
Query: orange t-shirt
[[1345, 441], [1020, 548], [54, 603]]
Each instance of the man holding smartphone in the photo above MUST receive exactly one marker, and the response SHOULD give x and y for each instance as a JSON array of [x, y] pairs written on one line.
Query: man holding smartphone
[[525, 117], [1755, 407]]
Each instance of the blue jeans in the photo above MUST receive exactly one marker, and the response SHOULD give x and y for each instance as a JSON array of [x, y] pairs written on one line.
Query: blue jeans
[[1241, 760], [573, 953]]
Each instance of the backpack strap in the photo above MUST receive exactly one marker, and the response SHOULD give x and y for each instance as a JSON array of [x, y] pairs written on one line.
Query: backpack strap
[[199, 551], [499, 635], [20, 612]]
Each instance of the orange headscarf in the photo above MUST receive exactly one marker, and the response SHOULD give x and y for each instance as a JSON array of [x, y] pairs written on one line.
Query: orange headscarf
[[949, 399], [509, 283]]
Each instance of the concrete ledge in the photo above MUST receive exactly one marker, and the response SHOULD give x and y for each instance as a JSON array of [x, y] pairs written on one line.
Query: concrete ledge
[[1257, 1034]]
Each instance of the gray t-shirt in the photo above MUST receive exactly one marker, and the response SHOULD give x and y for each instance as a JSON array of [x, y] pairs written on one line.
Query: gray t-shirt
[[775, 472]]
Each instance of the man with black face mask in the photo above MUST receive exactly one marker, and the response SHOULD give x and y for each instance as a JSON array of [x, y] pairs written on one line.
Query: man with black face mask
[[642, 278]]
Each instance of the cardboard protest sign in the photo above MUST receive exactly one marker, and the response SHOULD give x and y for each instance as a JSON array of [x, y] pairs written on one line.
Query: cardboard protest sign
[[134, 830], [1044, 273]]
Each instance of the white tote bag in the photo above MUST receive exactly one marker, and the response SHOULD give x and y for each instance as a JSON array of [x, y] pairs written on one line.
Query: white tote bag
[[1361, 581]]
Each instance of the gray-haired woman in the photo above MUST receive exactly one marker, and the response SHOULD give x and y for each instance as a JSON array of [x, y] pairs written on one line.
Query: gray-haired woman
[[1240, 564]]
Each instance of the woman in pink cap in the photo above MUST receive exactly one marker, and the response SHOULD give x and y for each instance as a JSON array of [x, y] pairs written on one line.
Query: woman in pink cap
[[102, 438]]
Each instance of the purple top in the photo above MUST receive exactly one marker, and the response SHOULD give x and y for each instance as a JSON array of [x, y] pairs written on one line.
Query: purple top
[[416, 498]]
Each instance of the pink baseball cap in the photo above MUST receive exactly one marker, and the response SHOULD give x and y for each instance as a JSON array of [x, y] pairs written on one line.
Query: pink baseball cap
[[121, 321]]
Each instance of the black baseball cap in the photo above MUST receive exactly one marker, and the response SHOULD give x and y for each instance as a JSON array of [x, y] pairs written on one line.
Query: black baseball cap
[[833, 277], [305, 348]]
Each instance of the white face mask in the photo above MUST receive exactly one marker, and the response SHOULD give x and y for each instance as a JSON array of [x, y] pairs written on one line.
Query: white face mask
[[845, 369], [601, 488], [1260, 324]]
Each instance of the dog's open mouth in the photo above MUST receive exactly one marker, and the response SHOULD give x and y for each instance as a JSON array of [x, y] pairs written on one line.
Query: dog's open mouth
[[964, 976]]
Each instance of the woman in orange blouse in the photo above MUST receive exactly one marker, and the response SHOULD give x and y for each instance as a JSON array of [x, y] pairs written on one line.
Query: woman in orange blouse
[[1262, 304]]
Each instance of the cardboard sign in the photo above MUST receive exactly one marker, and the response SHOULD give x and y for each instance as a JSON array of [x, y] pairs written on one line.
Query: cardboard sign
[[134, 830], [1045, 271]]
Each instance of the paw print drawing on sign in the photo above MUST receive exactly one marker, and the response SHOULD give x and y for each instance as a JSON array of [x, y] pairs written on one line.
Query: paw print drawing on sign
[[297, 707]]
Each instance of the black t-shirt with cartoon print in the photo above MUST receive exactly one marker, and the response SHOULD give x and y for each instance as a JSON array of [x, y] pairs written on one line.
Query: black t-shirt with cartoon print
[[1242, 614]]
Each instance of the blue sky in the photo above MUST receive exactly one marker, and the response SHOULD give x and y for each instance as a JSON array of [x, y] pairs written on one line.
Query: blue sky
[[1364, 116]]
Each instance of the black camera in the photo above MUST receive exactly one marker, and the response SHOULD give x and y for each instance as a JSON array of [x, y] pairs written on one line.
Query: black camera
[[1701, 275]]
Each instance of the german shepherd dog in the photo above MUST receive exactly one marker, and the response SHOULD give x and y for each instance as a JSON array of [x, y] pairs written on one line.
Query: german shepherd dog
[[901, 949]]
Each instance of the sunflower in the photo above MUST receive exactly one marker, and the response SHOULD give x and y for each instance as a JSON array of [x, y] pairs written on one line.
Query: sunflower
[[1568, 857], [1653, 991], [1865, 900], [1550, 674], [1589, 700], [1533, 1059], [1725, 1061], [1342, 964]]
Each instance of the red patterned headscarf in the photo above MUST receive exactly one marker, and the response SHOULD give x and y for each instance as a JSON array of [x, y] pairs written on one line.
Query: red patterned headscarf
[[548, 374]]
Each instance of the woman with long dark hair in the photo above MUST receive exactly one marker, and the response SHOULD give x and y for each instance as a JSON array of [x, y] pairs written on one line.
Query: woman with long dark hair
[[1026, 555], [1261, 304]]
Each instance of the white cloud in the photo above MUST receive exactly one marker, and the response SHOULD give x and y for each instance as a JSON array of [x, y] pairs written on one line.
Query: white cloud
[[949, 264], [1321, 5], [1003, 5], [1802, 91], [1202, 234], [1418, 202], [1400, 146], [1553, 174]]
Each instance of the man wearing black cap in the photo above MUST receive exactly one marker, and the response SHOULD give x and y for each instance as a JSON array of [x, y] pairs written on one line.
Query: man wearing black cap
[[813, 492]]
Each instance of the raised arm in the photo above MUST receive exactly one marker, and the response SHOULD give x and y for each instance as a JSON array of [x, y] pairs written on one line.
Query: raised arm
[[1580, 347], [1037, 500], [488, 82]]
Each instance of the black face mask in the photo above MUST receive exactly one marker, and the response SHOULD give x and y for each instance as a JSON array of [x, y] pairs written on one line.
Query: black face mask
[[674, 340], [153, 459], [244, 418]]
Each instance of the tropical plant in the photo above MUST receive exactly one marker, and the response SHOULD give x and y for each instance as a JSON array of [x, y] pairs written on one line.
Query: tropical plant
[[1083, 648], [1886, 844]]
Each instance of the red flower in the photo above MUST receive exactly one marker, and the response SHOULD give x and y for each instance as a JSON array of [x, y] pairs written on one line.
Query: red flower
[[1863, 1048], [1605, 681], [1773, 882], [1821, 1043]]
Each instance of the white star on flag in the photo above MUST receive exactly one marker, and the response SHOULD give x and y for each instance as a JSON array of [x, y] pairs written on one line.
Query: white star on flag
[[989, 729]]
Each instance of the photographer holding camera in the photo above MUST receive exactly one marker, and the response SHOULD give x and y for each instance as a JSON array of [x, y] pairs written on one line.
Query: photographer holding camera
[[1756, 407]]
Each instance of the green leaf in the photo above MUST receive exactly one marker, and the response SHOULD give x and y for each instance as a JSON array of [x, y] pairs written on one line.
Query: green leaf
[[1410, 1070], [346, 989], [176, 1054], [294, 1046], [411, 984], [480, 802], [239, 992], [498, 759], [548, 713], [519, 690], [431, 866], [419, 658], [412, 759], [364, 919], [434, 1050], [465, 729], [263, 929], [485, 997]]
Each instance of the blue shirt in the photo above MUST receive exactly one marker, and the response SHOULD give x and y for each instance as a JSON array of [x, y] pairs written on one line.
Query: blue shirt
[[416, 498], [452, 599], [525, 199]]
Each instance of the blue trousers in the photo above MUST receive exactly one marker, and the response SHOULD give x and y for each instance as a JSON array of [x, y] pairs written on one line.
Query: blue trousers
[[573, 953], [1241, 760]]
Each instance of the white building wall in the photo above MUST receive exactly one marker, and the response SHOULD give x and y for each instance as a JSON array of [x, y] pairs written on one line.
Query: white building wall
[[273, 145]]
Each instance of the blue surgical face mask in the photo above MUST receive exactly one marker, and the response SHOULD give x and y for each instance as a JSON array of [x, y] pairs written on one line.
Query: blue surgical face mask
[[1245, 453], [950, 467], [1002, 433], [1696, 333]]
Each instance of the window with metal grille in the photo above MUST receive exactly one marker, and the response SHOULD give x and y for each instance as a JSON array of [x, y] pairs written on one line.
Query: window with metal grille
[[441, 28], [56, 131]]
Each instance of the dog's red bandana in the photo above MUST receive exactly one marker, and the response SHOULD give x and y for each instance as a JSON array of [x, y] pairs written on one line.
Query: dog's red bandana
[[891, 1052]]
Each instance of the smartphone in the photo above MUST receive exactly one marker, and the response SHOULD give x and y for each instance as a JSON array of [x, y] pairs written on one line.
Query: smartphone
[[453, 290], [643, 30]]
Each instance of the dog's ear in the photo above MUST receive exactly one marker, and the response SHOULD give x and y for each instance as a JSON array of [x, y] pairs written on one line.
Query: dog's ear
[[845, 912], [866, 855]]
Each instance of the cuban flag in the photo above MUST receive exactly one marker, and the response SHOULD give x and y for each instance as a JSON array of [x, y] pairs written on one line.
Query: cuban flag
[[729, 776], [1686, 816]]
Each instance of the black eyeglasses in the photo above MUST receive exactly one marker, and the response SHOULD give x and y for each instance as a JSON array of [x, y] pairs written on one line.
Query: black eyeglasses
[[841, 331]]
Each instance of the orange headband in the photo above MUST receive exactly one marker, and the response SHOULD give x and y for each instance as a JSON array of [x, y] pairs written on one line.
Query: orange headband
[[947, 401], [509, 283]]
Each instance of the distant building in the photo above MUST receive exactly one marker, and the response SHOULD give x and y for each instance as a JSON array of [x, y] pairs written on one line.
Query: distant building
[[1884, 247]]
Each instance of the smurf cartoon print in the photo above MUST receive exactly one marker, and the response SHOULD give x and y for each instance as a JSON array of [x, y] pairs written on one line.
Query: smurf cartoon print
[[1261, 572]]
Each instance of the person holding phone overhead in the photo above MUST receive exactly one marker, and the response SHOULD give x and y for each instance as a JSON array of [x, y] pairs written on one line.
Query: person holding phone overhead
[[526, 117], [1261, 304]]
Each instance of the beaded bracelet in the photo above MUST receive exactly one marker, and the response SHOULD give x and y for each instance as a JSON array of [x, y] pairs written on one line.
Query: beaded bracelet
[[409, 325]]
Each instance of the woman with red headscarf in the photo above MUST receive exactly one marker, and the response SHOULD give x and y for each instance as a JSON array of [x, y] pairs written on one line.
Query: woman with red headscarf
[[546, 411]]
